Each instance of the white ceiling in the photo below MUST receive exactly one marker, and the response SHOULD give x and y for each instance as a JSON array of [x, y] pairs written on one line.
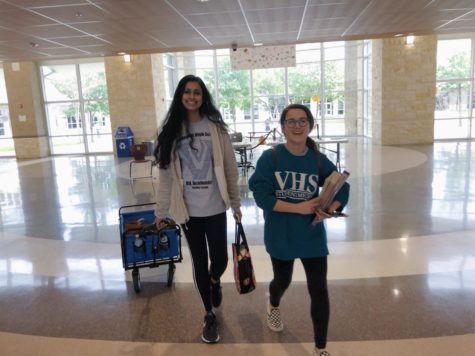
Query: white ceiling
[[57, 29]]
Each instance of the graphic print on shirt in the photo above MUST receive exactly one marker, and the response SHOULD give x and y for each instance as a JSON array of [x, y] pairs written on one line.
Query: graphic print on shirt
[[196, 161], [296, 185]]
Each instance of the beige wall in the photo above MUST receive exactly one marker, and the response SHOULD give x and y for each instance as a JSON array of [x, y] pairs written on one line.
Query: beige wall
[[135, 92], [159, 85], [26, 109], [404, 80]]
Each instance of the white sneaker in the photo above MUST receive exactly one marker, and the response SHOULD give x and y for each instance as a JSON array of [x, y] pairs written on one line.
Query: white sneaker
[[274, 321], [320, 352]]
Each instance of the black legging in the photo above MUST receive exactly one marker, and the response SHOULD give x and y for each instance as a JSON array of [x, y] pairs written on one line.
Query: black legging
[[203, 234], [316, 272]]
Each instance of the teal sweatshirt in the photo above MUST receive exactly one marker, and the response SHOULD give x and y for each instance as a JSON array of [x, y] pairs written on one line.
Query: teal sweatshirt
[[282, 175]]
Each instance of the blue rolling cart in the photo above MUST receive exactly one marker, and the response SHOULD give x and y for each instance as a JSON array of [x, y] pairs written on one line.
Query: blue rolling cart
[[144, 246]]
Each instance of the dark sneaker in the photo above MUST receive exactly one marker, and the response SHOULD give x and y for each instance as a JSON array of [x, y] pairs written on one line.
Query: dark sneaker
[[216, 294], [210, 329]]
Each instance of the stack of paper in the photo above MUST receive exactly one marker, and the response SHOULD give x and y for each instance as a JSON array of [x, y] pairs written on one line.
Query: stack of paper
[[332, 185]]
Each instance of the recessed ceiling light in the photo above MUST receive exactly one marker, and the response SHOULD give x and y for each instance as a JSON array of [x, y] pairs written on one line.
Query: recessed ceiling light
[[398, 35], [410, 40], [258, 44], [78, 14], [34, 44], [202, 0], [120, 53]]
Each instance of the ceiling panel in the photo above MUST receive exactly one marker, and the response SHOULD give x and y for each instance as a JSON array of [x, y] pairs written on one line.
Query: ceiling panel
[[461, 25], [322, 35], [169, 37], [79, 41], [326, 2], [36, 43], [227, 41], [20, 18], [9, 36], [157, 23], [222, 19], [123, 9], [285, 37], [341, 23], [272, 27], [50, 31], [72, 14], [6, 7], [43, 3], [101, 27], [231, 30], [452, 4], [275, 15], [127, 37], [328, 11], [188, 7], [271, 4], [107, 26], [63, 51], [188, 43]]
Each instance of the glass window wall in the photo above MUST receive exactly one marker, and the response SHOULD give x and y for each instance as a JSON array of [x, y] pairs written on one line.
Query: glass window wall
[[454, 90], [77, 108], [252, 100]]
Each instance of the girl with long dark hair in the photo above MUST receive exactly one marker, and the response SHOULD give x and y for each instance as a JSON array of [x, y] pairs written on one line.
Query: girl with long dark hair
[[197, 183]]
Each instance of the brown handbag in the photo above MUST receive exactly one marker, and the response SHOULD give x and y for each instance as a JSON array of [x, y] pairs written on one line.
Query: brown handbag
[[243, 270]]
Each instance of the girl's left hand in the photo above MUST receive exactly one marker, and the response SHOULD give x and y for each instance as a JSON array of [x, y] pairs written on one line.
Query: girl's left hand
[[320, 214]]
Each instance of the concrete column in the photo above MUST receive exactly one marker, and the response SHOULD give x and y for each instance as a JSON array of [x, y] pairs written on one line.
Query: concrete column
[[353, 123], [136, 94], [404, 80], [25, 103]]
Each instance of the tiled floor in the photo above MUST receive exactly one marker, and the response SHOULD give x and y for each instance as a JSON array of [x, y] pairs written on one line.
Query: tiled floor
[[401, 270]]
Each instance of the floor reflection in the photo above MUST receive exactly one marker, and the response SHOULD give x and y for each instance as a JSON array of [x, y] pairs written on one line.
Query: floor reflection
[[404, 256]]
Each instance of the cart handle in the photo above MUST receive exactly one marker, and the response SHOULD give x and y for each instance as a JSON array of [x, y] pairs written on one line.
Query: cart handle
[[133, 206]]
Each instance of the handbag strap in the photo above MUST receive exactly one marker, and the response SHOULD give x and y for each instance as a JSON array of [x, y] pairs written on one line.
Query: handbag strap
[[240, 235]]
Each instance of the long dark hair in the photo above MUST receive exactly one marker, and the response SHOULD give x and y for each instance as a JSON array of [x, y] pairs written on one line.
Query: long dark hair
[[311, 122], [177, 117]]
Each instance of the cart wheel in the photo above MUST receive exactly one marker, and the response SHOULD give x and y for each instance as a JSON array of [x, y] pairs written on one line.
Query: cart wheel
[[171, 272], [136, 280]]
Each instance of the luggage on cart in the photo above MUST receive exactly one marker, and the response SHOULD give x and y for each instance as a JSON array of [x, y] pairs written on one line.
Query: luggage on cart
[[144, 246]]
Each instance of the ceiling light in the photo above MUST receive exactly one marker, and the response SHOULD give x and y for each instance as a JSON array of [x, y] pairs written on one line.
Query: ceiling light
[[410, 40], [121, 53], [398, 35], [34, 44], [258, 44], [78, 14]]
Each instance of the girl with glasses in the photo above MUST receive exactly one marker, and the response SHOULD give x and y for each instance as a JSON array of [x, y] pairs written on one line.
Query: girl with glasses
[[285, 186]]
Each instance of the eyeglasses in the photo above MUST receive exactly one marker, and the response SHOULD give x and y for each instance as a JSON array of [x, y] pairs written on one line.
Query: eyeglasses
[[294, 123]]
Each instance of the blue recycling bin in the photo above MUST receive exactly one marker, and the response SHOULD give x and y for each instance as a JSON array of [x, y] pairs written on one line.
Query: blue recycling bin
[[124, 139]]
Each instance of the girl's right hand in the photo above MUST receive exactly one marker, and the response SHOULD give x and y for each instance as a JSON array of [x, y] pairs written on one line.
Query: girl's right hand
[[160, 223]]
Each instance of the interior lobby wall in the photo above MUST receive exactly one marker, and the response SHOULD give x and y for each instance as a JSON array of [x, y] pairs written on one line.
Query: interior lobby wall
[[404, 80], [25, 104], [133, 96]]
